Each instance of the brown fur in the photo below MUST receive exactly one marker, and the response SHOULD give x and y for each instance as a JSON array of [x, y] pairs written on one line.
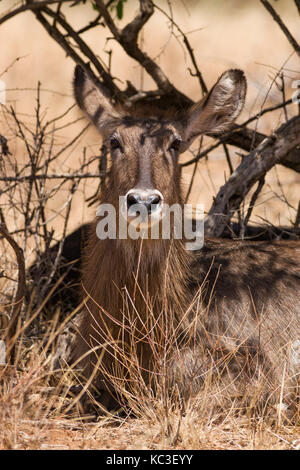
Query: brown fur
[[231, 300]]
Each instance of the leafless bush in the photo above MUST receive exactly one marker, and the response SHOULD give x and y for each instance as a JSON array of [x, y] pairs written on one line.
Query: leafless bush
[[28, 188]]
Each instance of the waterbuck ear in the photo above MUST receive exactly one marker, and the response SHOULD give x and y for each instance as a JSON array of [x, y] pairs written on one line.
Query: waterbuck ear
[[217, 111], [94, 101]]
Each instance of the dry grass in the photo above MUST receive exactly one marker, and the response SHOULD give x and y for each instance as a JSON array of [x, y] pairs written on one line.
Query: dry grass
[[32, 416], [40, 409], [36, 411]]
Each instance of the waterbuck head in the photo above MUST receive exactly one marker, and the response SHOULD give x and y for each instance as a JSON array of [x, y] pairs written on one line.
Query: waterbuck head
[[145, 150]]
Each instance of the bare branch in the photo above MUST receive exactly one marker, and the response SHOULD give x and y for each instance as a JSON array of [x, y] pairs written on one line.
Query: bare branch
[[189, 49], [30, 6], [127, 38], [297, 220], [246, 138], [254, 197], [131, 31], [56, 176], [282, 26], [297, 3], [83, 47], [18, 300], [227, 155], [253, 167]]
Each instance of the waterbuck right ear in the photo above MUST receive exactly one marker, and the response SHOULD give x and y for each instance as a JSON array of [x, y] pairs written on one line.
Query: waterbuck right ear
[[94, 101], [217, 112]]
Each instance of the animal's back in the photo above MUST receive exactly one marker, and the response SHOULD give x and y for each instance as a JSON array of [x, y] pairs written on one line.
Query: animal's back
[[248, 316]]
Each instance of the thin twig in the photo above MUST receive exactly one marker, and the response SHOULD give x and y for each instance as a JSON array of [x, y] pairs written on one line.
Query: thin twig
[[254, 197], [197, 72], [252, 168], [282, 26], [56, 176], [18, 300], [297, 220], [228, 158]]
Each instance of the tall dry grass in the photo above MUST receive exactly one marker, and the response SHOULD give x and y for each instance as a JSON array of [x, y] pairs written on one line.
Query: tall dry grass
[[40, 409], [45, 403]]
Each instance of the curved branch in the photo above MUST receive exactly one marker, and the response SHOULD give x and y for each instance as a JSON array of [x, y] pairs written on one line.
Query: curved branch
[[131, 31], [253, 167], [127, 38]]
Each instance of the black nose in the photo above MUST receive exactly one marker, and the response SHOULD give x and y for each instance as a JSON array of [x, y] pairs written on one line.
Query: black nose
[[150, 203]]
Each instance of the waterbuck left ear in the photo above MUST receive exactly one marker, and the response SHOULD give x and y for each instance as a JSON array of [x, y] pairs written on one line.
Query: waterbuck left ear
[[93, 100], [218, 110]]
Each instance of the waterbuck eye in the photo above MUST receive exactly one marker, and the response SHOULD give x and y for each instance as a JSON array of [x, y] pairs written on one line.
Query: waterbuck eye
[[115, 144], [175, 145]]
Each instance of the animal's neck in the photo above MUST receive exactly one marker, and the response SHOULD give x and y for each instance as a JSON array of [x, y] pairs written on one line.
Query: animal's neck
[[150, 273]]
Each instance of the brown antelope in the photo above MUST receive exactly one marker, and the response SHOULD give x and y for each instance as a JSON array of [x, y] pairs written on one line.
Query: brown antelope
[[232, 307]]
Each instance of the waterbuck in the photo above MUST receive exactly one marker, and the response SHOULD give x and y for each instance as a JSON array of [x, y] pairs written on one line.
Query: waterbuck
[[231, 308]]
